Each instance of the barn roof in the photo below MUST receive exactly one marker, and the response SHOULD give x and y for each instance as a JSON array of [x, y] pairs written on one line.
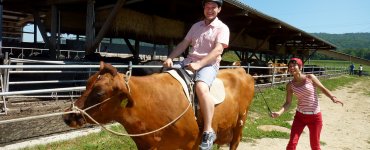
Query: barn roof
[[160, 21]]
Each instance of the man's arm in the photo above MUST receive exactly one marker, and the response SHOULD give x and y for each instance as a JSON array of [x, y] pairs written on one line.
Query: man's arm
[[180, 48], [210, 58]]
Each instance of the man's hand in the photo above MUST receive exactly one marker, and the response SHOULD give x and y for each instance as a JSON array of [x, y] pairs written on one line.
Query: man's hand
[[168, 63], [194, 66]]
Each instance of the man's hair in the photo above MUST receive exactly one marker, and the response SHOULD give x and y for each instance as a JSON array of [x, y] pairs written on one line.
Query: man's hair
[[218, 2]]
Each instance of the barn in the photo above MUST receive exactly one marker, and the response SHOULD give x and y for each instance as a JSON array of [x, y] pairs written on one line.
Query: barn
[[157, 24]]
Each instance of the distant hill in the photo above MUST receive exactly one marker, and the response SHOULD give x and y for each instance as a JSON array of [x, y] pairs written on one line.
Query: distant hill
[[357, 44], [347, 40]]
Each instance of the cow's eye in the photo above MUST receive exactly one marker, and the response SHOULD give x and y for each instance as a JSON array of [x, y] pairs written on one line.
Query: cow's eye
[[99, 94]]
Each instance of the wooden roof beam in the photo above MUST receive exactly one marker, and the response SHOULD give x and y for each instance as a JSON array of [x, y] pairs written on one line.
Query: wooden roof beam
[[243, 13], [107, 24]]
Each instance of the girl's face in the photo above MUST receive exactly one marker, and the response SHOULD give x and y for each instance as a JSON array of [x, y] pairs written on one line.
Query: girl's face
[[293, 68]]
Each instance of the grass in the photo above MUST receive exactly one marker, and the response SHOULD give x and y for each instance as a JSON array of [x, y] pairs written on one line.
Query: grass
[[230, 56], [95, 141], [259, 115]]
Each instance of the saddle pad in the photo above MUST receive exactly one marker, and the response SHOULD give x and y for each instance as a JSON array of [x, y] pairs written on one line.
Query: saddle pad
[[217, 89]]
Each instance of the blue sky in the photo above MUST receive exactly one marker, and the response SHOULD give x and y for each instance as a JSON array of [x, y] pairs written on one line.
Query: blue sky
[[313, 16]]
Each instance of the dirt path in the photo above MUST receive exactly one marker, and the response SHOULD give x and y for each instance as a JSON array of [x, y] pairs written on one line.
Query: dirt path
[[344, 128]]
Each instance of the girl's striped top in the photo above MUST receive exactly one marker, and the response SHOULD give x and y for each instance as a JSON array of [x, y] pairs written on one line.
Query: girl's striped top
[[307, 96]]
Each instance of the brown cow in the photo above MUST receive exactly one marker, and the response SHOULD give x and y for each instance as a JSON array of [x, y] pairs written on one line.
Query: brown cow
[[155, 100], [281, 70]]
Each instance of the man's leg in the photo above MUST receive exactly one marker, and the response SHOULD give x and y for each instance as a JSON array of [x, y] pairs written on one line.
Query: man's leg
[[207, 105], [204, 79]]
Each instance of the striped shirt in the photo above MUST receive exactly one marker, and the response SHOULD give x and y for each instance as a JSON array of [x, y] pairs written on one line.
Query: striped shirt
[[307, 96]]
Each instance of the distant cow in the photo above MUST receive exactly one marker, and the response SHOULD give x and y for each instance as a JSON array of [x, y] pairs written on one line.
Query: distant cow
[[281, 70]]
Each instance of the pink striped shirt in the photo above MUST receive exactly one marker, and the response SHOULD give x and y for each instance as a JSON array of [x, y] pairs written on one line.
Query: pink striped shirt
[[307, 96], [203, 39]]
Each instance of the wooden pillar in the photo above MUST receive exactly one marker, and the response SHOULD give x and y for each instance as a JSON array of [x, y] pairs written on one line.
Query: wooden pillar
[[34, 33], [41, 27], [106, 26], [78, 38], [170, 47], [59, 40], [137, 50], [1, 31], [90, 30], [154, 54], [54, 25], [130, 47]]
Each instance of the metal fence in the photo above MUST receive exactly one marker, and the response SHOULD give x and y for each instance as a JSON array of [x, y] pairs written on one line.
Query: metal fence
[[57, 69]]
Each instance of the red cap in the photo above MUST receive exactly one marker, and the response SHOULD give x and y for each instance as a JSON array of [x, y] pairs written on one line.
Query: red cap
[[298, 61]]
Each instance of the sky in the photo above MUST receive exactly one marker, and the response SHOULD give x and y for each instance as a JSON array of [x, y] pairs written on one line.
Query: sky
[[318, 16]]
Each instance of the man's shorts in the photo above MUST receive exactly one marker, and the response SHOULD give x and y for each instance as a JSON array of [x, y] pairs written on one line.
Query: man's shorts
[[207, 74]]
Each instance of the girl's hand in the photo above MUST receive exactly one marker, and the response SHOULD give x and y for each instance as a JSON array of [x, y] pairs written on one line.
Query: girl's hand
[[335, 100], [275, 114]]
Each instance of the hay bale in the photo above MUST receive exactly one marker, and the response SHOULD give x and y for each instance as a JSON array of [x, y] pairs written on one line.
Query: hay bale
[[151, 26]]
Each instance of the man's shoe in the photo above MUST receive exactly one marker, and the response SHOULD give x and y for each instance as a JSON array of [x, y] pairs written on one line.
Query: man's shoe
[[207, 140]]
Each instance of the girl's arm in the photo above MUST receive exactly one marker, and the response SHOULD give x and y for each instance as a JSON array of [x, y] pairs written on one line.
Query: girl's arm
[[323, 89], [288, 101]]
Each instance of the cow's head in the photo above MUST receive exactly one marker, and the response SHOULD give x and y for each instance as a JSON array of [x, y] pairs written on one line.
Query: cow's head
[[103, 97]]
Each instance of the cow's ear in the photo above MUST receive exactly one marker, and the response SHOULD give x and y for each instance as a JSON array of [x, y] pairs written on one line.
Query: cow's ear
[[101, 65], [108, 68], [113, 71]]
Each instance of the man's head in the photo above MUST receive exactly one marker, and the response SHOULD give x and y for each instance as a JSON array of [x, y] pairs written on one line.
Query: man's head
[[211, 9], [218, 2]]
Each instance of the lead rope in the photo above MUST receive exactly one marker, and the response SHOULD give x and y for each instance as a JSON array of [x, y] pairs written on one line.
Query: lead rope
[[128, 76], [123, 134], [268, 107]]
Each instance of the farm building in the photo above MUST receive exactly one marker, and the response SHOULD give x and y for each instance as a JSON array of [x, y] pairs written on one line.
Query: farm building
[[150, 27]]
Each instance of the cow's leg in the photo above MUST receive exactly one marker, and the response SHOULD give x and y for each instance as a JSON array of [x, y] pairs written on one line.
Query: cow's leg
[[237, 137], [238, 131]]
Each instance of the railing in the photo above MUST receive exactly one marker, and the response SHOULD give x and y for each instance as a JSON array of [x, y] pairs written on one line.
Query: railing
[[30, 52], [19, 66], [26, 52]]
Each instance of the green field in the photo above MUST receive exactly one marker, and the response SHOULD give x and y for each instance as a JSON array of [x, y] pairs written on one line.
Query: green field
[[336, 63]]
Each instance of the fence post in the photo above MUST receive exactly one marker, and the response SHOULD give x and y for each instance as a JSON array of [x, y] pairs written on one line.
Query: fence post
[[273, 75], [313, 70], [4, 76], [249, 65]]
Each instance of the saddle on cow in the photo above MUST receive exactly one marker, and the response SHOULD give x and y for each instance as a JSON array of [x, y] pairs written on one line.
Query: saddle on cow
[[186, 79]]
